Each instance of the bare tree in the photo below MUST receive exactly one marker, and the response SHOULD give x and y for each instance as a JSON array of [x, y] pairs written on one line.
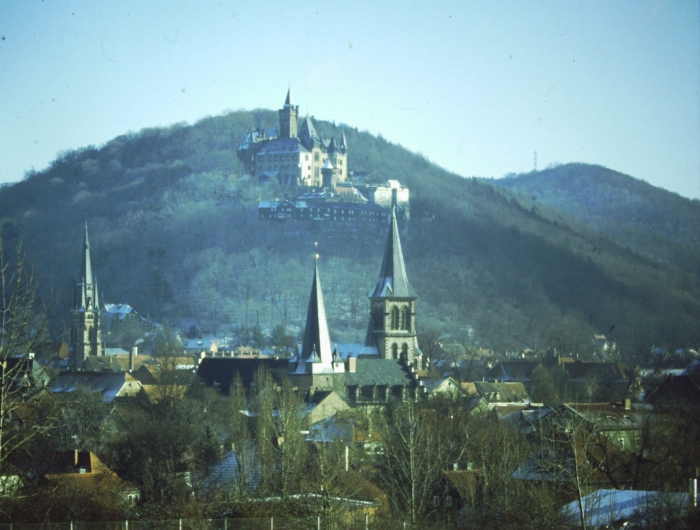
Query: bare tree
[[411, 465], [23, 332]]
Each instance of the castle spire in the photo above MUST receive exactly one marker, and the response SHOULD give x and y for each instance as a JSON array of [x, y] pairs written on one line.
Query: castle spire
[[316, 347], [288, 101], [393, 281]]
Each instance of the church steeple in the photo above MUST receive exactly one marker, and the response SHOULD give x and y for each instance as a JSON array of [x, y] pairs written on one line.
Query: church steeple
[[391, 327], [317, 340], [86, 264], [86, 336], [393, 281], [316, 355]]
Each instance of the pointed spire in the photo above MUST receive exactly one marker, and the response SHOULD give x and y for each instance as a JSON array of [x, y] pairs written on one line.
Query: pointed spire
[[97, 296], [288, 101], [393, 281], [343, 142], [317, 343], [86, 265]]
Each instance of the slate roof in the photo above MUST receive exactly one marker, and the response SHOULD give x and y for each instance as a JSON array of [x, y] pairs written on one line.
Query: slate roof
[[511, 371], [393, 281], [282, 145], [502, 392], [378, 372], [220, 372], [108, 384], [608, 508], [331, 430]]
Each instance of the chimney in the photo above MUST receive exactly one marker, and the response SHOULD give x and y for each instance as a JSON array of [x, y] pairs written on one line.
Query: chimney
[[133, 353], [352, 364]]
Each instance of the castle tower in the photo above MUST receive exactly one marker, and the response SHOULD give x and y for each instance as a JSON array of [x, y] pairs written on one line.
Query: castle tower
[[85, 333], [392, 322], [288, 118]]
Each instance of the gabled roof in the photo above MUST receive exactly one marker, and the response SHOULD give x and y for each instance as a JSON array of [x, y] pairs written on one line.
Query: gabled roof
[[109, 385], [393, 281], [511, 371], [502, 392], [307, 133]]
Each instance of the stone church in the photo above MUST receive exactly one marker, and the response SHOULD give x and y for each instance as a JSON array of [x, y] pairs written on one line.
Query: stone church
[[295, 154], [383, 367]]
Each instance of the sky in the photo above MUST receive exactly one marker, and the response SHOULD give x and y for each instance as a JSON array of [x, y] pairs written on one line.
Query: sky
[[475, 86]]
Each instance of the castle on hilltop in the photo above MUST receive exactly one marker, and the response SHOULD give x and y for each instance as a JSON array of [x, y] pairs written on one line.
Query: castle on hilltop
[[295, 155]]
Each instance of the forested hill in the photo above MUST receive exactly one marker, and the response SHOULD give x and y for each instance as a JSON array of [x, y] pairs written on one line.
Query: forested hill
[[174, 233], [653, 221]]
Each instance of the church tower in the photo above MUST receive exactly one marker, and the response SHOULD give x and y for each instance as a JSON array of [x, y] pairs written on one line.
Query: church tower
[[85, 333], [288, 118], [392, 323]]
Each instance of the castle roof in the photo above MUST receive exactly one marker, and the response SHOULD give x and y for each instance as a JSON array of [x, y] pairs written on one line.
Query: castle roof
[[283, 145], [307, 133], [393, 281]]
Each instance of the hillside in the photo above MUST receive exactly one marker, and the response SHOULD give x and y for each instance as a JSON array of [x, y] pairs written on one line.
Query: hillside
[[174, 233], [652, 221]]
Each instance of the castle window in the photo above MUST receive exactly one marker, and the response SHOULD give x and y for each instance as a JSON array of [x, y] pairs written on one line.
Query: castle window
[[395, 351], [404, 351], [316, 157], [306, 157]]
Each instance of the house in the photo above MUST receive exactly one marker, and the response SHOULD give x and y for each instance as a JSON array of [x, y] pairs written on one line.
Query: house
[[83, 471], [110, 386], [441, 387], [324, 404], [675, 389], [24, 373]]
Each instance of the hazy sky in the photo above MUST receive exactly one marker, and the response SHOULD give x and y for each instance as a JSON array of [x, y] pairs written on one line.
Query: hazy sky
[[476, 86]]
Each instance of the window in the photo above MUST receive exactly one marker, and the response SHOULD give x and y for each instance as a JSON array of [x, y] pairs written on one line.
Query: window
[[306, 157], [316, 157], [406, 318], [394, 317], [394, 351]]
